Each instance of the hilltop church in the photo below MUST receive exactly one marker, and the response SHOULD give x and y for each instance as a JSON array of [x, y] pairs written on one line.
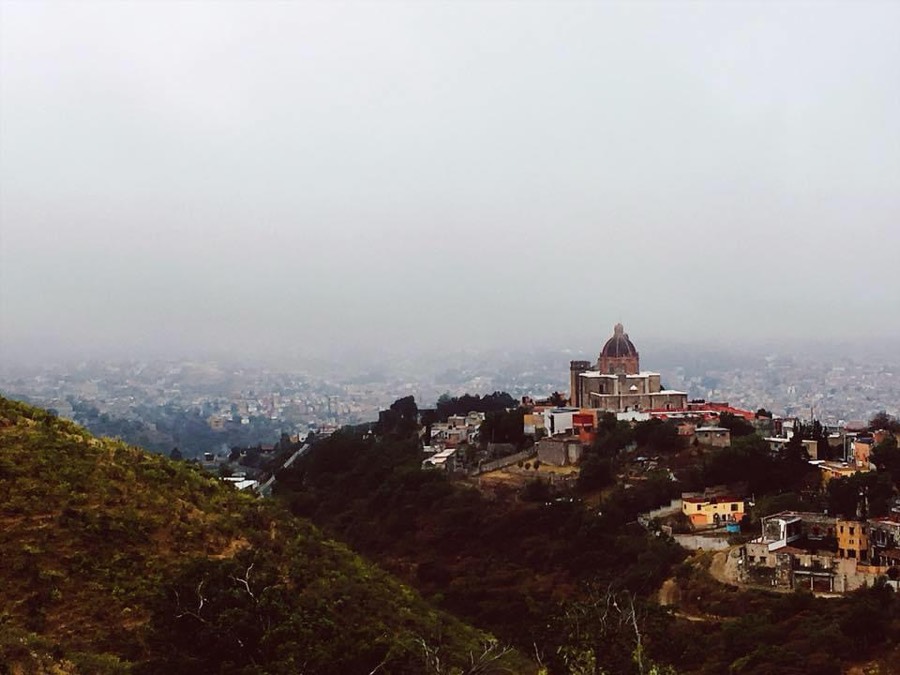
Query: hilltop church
[[617, 384]]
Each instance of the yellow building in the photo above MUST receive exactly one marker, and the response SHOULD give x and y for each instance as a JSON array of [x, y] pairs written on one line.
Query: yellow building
[[853, 540], [837, 470], [712, 511]]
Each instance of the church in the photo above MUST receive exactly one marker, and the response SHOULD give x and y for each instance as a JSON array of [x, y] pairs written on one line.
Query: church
[[616, 382]]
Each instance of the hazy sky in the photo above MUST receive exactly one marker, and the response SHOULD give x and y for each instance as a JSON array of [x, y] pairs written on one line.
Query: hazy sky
[[273, 177]]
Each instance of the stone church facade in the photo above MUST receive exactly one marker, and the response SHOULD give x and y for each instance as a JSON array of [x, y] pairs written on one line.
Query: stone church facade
[[616, 382]]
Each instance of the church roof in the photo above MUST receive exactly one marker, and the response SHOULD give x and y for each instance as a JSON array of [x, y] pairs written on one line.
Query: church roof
[[618, 345]]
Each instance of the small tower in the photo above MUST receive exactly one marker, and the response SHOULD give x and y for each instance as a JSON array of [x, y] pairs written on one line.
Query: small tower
[[575, 369]]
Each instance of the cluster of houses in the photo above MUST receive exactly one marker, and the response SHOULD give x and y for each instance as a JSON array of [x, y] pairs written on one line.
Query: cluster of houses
[[822, 553], [560, 433], [448, 437]]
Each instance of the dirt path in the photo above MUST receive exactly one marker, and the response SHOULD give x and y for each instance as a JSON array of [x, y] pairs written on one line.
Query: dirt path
[[720, 570], [670, 594]]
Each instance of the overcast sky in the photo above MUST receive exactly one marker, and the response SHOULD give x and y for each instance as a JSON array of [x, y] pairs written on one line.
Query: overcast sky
[[270, 177]]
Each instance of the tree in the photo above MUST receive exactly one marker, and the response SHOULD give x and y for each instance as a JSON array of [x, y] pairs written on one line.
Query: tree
[[463, 405], [736, 424], [400, 420], [176, 455], [558, 399], [881, 420], [505, 426], [536, 490], [612, 436], [606, 632], [595, 474], [868, 494], [886, 458], [658, 436]]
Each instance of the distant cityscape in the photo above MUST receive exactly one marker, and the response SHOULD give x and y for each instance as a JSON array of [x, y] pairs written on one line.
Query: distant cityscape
[[204, 406]]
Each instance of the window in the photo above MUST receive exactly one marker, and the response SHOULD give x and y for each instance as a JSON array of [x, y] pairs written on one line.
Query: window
[[699, 507], [842, 529], [852, 530], [734, 507]]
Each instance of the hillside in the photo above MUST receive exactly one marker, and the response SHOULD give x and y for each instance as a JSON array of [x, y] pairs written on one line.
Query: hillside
[[116, 560], [576, 582]]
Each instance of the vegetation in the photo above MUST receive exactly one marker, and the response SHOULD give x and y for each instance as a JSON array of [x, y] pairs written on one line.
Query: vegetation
[[749, 461], [501, 564], [756, 633], [504, 426], [883, 421], [736, 424], [575, 584], [120, 561], [159, 428], [886, 458], [115, 560], [463, 405]]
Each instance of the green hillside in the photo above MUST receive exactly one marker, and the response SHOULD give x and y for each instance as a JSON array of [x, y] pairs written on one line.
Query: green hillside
[[116, 560]]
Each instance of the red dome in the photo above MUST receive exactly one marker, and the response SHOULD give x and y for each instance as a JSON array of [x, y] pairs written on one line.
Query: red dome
[[618, 345]]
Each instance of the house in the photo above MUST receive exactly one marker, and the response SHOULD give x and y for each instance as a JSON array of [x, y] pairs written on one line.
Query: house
[[795, 549], [559, 420], [241, 482], [444, 460], [717, 437], [838, 470], [712, 511], [862, 452]]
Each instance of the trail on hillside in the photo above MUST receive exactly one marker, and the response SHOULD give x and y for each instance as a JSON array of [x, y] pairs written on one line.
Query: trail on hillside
[[670, 594]]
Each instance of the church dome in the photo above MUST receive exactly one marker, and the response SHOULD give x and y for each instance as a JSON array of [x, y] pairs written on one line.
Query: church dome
[[618, 345]]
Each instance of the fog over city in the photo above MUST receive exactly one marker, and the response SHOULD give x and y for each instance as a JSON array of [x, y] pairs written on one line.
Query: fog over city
[[274, 180]]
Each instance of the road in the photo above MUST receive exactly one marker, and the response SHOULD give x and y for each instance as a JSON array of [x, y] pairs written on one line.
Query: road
[[265, 490]]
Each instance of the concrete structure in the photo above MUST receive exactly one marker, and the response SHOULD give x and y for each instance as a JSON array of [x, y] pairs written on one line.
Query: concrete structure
[[884, 540], [445, 460], [862, 452], [820, 552], [534, 424], [559, 420], [717, 437], [560, 451]]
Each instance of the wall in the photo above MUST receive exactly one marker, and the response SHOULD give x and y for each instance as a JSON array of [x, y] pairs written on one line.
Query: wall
[[697, 542], [503, 461]]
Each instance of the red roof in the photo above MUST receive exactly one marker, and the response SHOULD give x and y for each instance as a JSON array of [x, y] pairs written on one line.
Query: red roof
[[704, 410], [711, 500]]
